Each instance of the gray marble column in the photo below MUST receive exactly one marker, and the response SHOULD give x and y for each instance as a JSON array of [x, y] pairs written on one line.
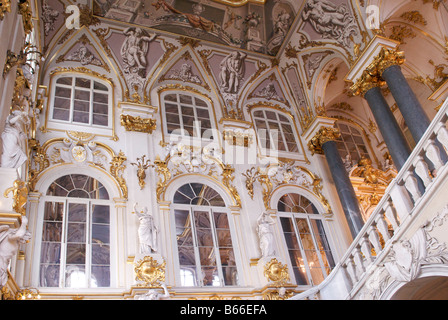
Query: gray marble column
[[344, 187], [387, 124], [411, 109]]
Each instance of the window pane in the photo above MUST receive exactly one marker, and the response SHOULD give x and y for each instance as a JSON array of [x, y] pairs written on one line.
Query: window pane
[[83, 83], [100, 97], [99, 86], [65, 80], [49, 275], [101, 120], [75, 276], [76, 253], [100, 214], [82, 95], [100, 276], [61, 103], [63, 92], [82, 117], [59, 114]]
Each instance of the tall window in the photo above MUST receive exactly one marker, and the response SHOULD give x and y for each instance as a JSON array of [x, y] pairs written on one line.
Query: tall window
[[351, 143], [275, 131], [204, 242], [186, 115], [305, 238], [75, 249], [82, 101]]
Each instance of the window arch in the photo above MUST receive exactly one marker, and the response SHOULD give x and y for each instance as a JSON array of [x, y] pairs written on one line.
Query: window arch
[[351, 142], [81, 100], [274, 130], [75, 244], [186, 114], [305, 238], [203, 236]]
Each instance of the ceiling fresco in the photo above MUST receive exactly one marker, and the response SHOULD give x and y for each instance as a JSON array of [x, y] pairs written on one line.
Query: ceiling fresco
[[255, 25]]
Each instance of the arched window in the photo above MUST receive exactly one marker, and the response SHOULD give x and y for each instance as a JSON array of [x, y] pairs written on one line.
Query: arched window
[[186, 115], [305, 238], [351, 142], [75, 247], [204, 241], [274, 131], [81, 101]]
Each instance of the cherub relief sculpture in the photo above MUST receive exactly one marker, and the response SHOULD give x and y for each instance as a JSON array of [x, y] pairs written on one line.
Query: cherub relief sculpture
[[14, 138], [232, 71], [135, 49], [10, 240]]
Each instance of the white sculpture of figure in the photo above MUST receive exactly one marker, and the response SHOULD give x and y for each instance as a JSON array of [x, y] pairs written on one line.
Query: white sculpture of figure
[[282, 23], [13, 139], [232, 71], [266, 235], [147, 231], [84, 56], [348, 163], [328, 19], [10, 239], [154, 294], [135, 49]]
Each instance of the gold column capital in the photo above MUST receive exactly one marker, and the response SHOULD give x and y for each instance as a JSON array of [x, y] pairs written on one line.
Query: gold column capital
[[324, 135], [387, 58], [371, 76]]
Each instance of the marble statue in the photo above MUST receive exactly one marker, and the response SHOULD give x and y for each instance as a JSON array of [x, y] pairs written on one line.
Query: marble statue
[[154, 294], [135, 49], [10, 239], [232, 71], [13, 139], [265, 234], [147, 231]]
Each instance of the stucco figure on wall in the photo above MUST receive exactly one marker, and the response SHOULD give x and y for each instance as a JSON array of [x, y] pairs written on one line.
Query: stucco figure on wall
[[10, 240], [329, 20], [232, 71], [265, 234], [14, 139], [135, 49], [147, 231]]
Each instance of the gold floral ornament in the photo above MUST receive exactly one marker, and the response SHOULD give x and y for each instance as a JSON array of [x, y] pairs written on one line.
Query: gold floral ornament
[[19, 192], [116, 169], [5, 6], [150, 272], [137, 124], [27, 15], [324, 135], [277, 272], [142, 165]]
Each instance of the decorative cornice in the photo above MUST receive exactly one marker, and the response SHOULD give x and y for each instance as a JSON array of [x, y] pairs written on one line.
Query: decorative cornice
[[137, 124]]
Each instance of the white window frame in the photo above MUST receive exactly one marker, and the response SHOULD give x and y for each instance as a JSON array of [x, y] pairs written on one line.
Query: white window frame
[[89, 127], [308, 217], [273, 147], [196, 129], [62, 268]]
